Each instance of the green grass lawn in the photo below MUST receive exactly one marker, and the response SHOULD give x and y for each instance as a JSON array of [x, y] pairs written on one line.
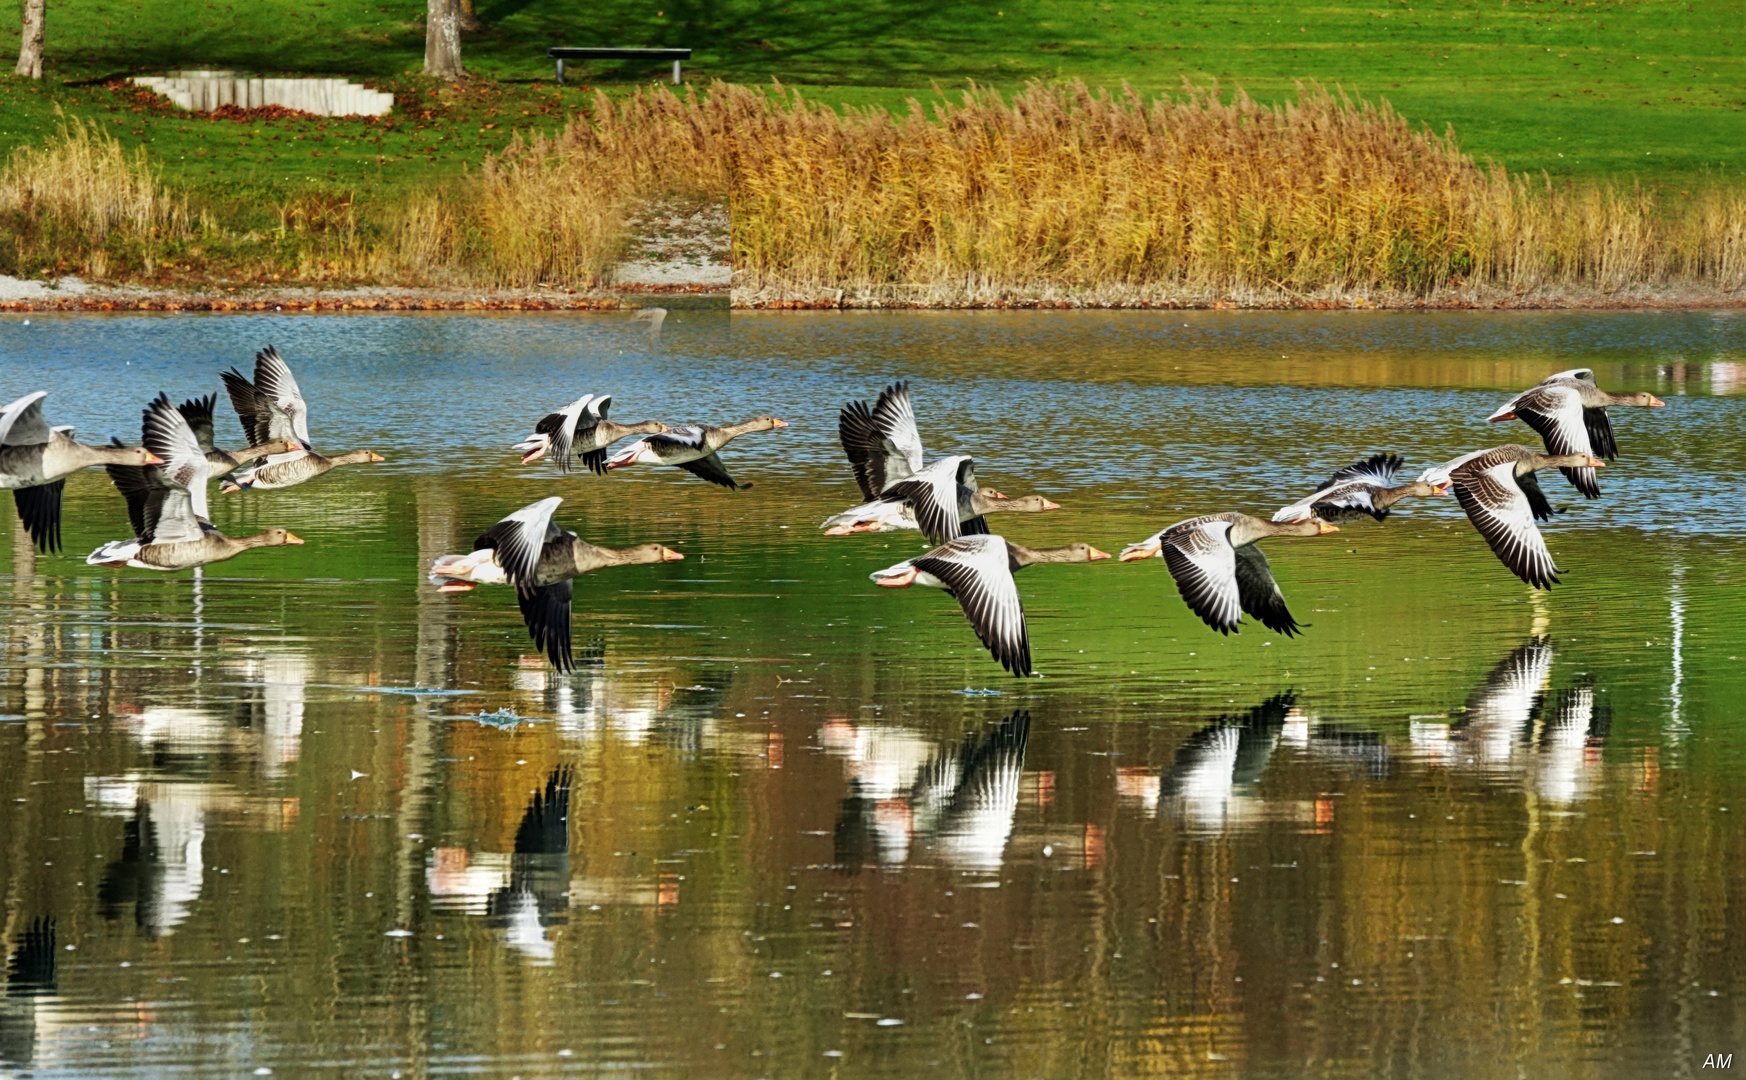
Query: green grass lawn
[[1649, 89]]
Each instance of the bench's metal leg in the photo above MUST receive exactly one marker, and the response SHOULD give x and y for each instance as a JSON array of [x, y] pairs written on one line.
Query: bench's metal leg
[[560, 71], [677, 77]]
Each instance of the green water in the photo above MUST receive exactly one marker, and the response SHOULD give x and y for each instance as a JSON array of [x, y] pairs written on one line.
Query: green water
[[1457, 828]]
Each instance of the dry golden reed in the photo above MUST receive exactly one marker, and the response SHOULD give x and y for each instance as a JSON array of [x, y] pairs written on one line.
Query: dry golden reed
[[1061, 189], [82, 198]]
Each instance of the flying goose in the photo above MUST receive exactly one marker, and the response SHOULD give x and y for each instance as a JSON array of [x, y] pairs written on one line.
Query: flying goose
[[166, 504], [580, 428], [272, 407], [890, 515], [1496, 489], [885, 453], [692, 447], [977, 571], [1219, 570], [1365, 487], [36, 459], [528, 551], [198, 413], [1570, 414]]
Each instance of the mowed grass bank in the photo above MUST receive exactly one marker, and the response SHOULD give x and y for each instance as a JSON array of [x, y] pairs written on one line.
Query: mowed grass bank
[[1062, 194], [1651, 88]]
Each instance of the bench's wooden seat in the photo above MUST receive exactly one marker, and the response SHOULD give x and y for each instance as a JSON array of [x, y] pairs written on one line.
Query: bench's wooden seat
[[561, 53]]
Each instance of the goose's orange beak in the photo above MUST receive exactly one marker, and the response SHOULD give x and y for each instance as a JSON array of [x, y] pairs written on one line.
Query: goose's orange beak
[[669, 555], [778, 423], [1656, 403], [1047, 505], [1326, 527], [293, 538], [1141, 551], [1596, 463], [377, 457], [153, 459], [1096, 554], [1505, 416], [1439, 489]]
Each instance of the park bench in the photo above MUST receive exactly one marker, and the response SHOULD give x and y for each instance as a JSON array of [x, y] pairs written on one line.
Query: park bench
[[561, 53]]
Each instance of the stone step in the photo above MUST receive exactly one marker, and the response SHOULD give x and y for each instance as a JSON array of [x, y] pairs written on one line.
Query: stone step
[[204, 91]]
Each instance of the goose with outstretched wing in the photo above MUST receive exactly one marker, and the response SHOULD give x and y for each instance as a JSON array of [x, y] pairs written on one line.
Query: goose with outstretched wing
[[1365, 487], [1493, 488], [166, 503], [580, 429], [35, 461], [272, 407], [529, 551], [1220, 572], [692, 447], [977, 571], [1569, 413]]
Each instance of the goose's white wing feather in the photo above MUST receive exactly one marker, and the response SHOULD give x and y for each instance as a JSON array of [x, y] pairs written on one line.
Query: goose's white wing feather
[[274, 380], [1204, 564], [21, 423], [1501, 512], [978, 571], [519, 539], [184, 512]]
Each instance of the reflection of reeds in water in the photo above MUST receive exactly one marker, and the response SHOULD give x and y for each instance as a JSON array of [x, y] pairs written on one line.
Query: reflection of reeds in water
[[1060, 190]]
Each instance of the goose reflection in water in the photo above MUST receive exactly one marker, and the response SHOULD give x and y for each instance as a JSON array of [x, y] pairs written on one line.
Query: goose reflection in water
[[957, 800], [524, 891], [30, 984], [160, 871], [1516, 726], [1209, 783]]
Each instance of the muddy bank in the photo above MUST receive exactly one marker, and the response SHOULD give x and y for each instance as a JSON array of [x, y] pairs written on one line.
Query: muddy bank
[[1115, 297], [79, 296]]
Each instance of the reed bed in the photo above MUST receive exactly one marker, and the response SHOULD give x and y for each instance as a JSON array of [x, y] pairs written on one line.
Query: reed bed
[[1056, 193], [1063, 192], [81, 203]]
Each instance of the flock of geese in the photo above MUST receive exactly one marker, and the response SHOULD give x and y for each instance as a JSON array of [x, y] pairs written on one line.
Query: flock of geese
[[1218, 569]]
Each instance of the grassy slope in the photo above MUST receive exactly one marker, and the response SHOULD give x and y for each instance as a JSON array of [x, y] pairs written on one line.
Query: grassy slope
[[1650, 86]]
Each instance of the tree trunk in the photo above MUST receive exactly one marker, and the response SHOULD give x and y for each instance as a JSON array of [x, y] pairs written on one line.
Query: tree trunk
[[442, 40], [470, 21], [30, 48]]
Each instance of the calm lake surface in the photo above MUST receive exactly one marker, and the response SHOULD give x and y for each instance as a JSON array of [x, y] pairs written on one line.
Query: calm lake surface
[[304, 814]]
